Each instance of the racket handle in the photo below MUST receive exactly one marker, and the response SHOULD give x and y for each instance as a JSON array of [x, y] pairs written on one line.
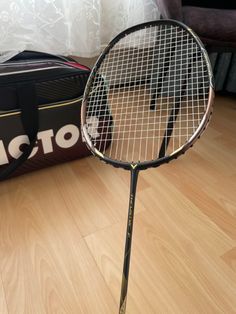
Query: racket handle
[[128, 242]]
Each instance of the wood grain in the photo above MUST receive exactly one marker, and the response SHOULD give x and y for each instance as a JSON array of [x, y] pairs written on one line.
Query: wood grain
[[62, 234], [169, 273], [3, 304], [93, 208], [46, 266], [230, 258]]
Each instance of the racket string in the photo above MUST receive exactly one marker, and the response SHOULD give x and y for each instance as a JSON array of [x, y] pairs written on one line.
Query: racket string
[[161, 62]]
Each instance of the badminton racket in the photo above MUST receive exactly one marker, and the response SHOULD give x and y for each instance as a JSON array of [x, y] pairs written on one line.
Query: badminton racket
[[148, 99]]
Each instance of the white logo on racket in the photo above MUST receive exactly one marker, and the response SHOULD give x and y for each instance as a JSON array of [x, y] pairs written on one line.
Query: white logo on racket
[[92, 125]]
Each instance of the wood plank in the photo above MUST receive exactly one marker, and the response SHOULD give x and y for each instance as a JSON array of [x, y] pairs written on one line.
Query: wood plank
[[230, 258], [171, 205], [95, 194], [3, 304], [207, 175], [170, 272], [46, 266]]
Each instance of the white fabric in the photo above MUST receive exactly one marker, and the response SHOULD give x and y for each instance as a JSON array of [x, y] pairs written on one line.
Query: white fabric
[[75, 27]]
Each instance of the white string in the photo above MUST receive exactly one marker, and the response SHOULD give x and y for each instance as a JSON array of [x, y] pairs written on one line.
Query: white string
[[128, 77], [175, 90], [169, 75], [149, 111], [157, 110], [136, 116], [126, 111], [181, 87], [129, 125], [162, 71], [122, 99], [156, 72], [145, 86]]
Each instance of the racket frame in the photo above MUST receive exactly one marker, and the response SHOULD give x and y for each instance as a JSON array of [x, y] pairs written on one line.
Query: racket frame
[[181, 150]]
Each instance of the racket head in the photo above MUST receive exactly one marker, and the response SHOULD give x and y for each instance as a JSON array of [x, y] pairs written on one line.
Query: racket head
[[167, 40]]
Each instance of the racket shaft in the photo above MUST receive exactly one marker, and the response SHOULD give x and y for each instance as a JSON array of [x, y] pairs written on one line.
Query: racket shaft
[[129, 233]]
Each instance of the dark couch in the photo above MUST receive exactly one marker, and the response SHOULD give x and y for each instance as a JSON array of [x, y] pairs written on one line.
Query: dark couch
[[215, 24]]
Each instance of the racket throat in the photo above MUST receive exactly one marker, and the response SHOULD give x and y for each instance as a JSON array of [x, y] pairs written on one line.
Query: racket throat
[[128, 242]]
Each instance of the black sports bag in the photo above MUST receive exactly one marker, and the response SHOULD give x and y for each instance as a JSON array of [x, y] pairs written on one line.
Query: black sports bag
[[40, 102]]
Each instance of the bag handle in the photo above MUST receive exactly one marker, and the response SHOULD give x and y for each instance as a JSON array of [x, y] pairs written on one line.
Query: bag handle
[[27, 100], [30, 54]]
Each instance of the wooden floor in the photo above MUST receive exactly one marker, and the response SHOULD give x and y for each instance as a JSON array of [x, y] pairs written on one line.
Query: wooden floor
[[62, 233]]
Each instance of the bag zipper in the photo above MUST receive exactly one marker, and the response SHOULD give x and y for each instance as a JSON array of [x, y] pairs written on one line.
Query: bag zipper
[[40, 76], [28, 71]]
